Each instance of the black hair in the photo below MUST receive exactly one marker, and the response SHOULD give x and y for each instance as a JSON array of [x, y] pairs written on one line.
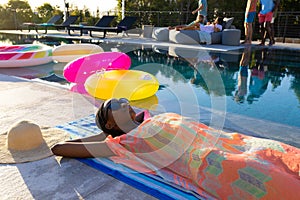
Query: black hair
[[220, 20], [101, 122]]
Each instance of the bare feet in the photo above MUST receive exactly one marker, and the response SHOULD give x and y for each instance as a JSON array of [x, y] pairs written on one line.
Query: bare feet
[[272, 42]]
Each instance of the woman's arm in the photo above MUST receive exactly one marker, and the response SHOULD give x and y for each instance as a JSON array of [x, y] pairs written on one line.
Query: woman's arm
[[82, 149], [94, 138], [198, 9]]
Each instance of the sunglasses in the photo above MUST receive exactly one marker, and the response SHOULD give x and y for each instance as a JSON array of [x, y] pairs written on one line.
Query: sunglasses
[[113, 104]]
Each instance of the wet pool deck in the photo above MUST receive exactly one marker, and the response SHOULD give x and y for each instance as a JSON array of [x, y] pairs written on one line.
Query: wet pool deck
[[51, 105]]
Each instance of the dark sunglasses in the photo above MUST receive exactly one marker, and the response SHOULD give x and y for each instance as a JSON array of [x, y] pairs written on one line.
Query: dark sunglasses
[[113, 104]]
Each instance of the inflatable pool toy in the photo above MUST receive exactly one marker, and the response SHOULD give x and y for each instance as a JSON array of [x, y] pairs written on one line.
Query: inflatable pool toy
[[79, 70], [78, 88], [69, 52], [130, 84], [24, 55]]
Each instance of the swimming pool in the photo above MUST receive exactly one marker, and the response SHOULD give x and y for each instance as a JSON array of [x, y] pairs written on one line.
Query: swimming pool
[[262, 99]]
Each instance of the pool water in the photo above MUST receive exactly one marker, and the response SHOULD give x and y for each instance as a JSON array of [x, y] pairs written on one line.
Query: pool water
[[261, 98], [270, 88]]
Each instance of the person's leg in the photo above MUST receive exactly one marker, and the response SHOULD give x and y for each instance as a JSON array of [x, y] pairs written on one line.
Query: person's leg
[[176, 27], [246, 32], [250, 20], [188, 28], [261, 21], [250, 32], [262, 33], [268, 32], [272, 29], [273, 32], [268, 20]]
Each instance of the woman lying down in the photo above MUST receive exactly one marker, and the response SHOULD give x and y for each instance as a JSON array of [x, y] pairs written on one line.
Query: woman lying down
[[209, 162]]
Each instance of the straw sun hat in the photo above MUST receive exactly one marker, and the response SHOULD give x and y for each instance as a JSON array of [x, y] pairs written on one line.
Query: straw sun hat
[[25, 141]]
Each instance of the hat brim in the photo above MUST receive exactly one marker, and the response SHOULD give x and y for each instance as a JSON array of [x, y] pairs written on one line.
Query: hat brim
[[51, 136]]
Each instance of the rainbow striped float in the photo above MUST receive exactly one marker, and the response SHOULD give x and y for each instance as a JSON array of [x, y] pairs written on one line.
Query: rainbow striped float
[[24, 55]]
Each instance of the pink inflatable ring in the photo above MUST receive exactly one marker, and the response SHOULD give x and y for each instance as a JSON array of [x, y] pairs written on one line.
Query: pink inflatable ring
[[79, 70]]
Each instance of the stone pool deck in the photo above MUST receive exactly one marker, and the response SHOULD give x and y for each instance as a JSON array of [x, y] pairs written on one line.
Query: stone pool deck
[[51, 105], [51, 178]]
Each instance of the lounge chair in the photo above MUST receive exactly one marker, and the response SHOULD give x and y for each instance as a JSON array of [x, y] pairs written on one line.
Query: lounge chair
[[70, 20], [104, 21], [125, 24], [30, 26]]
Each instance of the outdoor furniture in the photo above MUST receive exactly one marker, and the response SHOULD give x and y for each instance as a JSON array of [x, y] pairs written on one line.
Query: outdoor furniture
[[125, 24], [30, 25], [229, 34], [231, 37], [184, 37], [104, 21], [70, 20], [161, 34]]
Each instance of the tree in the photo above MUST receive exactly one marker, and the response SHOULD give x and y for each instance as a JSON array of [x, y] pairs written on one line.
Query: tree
[[20, 11]]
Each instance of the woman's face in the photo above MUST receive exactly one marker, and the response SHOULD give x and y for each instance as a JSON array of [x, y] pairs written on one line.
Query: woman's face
[[120, 115]]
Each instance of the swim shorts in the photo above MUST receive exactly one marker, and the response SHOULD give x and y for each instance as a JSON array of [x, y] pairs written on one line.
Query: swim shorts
[[250, 17], [265, 18]]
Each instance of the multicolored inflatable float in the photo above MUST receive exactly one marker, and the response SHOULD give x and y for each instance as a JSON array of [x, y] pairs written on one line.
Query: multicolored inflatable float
[[79, 70], [70, 52], [130, 84], [24, 55]]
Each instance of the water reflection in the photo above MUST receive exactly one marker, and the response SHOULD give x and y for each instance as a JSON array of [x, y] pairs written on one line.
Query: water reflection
[[245, 82], [259, 78], [241, 91]]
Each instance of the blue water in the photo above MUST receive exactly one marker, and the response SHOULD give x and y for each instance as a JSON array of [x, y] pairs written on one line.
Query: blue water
[[262, 98], [271, 89]]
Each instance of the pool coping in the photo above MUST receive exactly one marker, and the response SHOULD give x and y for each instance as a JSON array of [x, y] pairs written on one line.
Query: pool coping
[[138, 39]]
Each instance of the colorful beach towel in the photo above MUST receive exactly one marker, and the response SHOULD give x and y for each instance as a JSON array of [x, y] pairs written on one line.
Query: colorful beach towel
[[148, 183]]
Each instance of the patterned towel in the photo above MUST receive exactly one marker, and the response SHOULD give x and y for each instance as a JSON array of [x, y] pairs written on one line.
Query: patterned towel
[[148, 183]]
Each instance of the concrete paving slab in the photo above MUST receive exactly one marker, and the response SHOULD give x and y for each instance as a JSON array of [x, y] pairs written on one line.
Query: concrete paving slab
[[50, 105]]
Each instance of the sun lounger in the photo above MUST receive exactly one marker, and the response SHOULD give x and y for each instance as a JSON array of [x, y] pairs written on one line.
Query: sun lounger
[[30, 26], [124, 25], [70, 20], [104, 21], [148, 183]]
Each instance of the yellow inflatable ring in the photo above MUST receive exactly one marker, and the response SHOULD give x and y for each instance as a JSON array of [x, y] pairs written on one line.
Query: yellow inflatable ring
[[130, 84]]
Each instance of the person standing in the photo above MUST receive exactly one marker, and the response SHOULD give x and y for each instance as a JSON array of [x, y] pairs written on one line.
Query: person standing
[[275, 9], [265, 17], [249, 19], [202, 9]]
